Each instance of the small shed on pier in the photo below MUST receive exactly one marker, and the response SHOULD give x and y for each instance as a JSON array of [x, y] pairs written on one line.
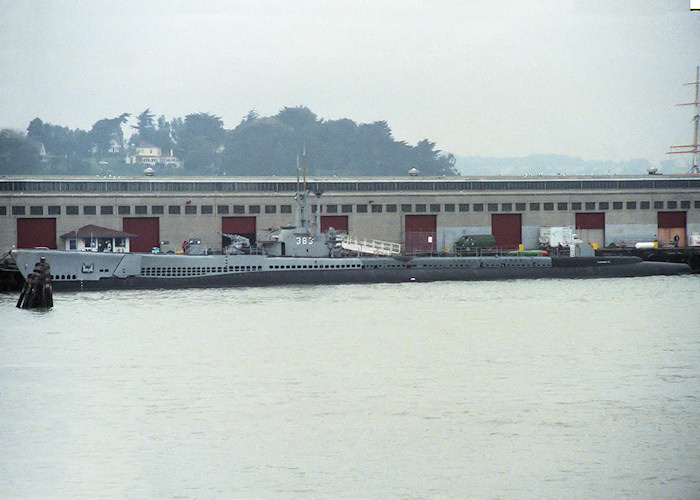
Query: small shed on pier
[[93, 238]]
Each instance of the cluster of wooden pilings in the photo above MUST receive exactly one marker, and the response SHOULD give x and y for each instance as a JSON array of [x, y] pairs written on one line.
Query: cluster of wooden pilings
[[37, 291]]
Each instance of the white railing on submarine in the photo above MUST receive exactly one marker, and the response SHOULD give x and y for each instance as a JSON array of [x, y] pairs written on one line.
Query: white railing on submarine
[[370, 247]]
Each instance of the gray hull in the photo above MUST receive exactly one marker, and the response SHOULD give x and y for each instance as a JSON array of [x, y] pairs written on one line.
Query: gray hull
[[91, 271]]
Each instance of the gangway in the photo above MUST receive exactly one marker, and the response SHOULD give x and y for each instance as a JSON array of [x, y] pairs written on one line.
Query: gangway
[[370, 247]]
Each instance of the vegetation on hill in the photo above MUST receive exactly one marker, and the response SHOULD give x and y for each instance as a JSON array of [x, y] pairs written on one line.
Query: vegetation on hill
[[261, 146]]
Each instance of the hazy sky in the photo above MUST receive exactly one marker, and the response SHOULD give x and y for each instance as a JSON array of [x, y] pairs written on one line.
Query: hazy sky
[[599, 79]]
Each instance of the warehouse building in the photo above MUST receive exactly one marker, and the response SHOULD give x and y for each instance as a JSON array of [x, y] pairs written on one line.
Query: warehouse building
[[422, 213]]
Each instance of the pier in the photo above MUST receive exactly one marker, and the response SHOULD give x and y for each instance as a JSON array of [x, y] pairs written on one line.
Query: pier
[[687, 255]]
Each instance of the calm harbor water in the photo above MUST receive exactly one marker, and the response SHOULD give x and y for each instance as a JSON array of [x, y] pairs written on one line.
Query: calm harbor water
[[542, 388]]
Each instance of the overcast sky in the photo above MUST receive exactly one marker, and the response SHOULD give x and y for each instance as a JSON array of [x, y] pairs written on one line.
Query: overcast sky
[[598, 79]]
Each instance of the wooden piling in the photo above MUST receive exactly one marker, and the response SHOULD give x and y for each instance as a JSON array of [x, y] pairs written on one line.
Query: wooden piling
[[37, 291]]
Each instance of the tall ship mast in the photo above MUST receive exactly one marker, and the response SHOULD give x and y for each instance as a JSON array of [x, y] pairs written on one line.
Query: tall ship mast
[[693, 148]]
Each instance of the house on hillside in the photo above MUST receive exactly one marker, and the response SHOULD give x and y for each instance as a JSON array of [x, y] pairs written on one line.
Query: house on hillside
[[40, 149], [148, 154], [114, 147]]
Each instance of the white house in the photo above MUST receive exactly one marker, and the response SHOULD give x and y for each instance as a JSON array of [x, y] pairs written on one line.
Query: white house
[[147, 154]]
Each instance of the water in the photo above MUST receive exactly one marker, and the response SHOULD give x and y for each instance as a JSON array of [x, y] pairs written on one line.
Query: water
[[543, 388]]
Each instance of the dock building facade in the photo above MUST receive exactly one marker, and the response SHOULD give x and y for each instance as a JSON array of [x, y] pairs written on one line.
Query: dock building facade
[[422, 213]]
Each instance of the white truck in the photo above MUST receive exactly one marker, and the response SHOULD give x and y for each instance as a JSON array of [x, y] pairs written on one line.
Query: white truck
[[557, 236]]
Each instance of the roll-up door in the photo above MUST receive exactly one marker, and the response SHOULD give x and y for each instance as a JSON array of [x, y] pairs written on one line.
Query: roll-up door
[[337, 222], [507, 230], [36, 233], [670, 225], [242, 226], [147, 229], [590, 227], [421, 232]]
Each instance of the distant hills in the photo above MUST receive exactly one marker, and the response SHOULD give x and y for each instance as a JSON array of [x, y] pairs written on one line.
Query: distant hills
[[559, 165]]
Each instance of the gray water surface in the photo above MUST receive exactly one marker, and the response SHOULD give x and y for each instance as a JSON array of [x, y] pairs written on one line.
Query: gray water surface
[[532, 388]]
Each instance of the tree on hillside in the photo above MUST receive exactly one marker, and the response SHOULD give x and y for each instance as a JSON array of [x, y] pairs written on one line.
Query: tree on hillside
[[60, 143], [145, 129], [200, 138], [297, 118], [163, 137], [429, 161], [105, 131], [18, 154], [259, 147], [145, 123]]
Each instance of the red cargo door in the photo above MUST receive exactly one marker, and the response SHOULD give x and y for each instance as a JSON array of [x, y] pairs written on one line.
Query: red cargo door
[[337, 222], [421, 233], [147, 229], [590, 227], [36, 233], [507, 230], [670, 225], [242, 226]]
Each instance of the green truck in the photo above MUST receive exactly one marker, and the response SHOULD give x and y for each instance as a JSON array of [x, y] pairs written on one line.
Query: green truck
[[472, 242]]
